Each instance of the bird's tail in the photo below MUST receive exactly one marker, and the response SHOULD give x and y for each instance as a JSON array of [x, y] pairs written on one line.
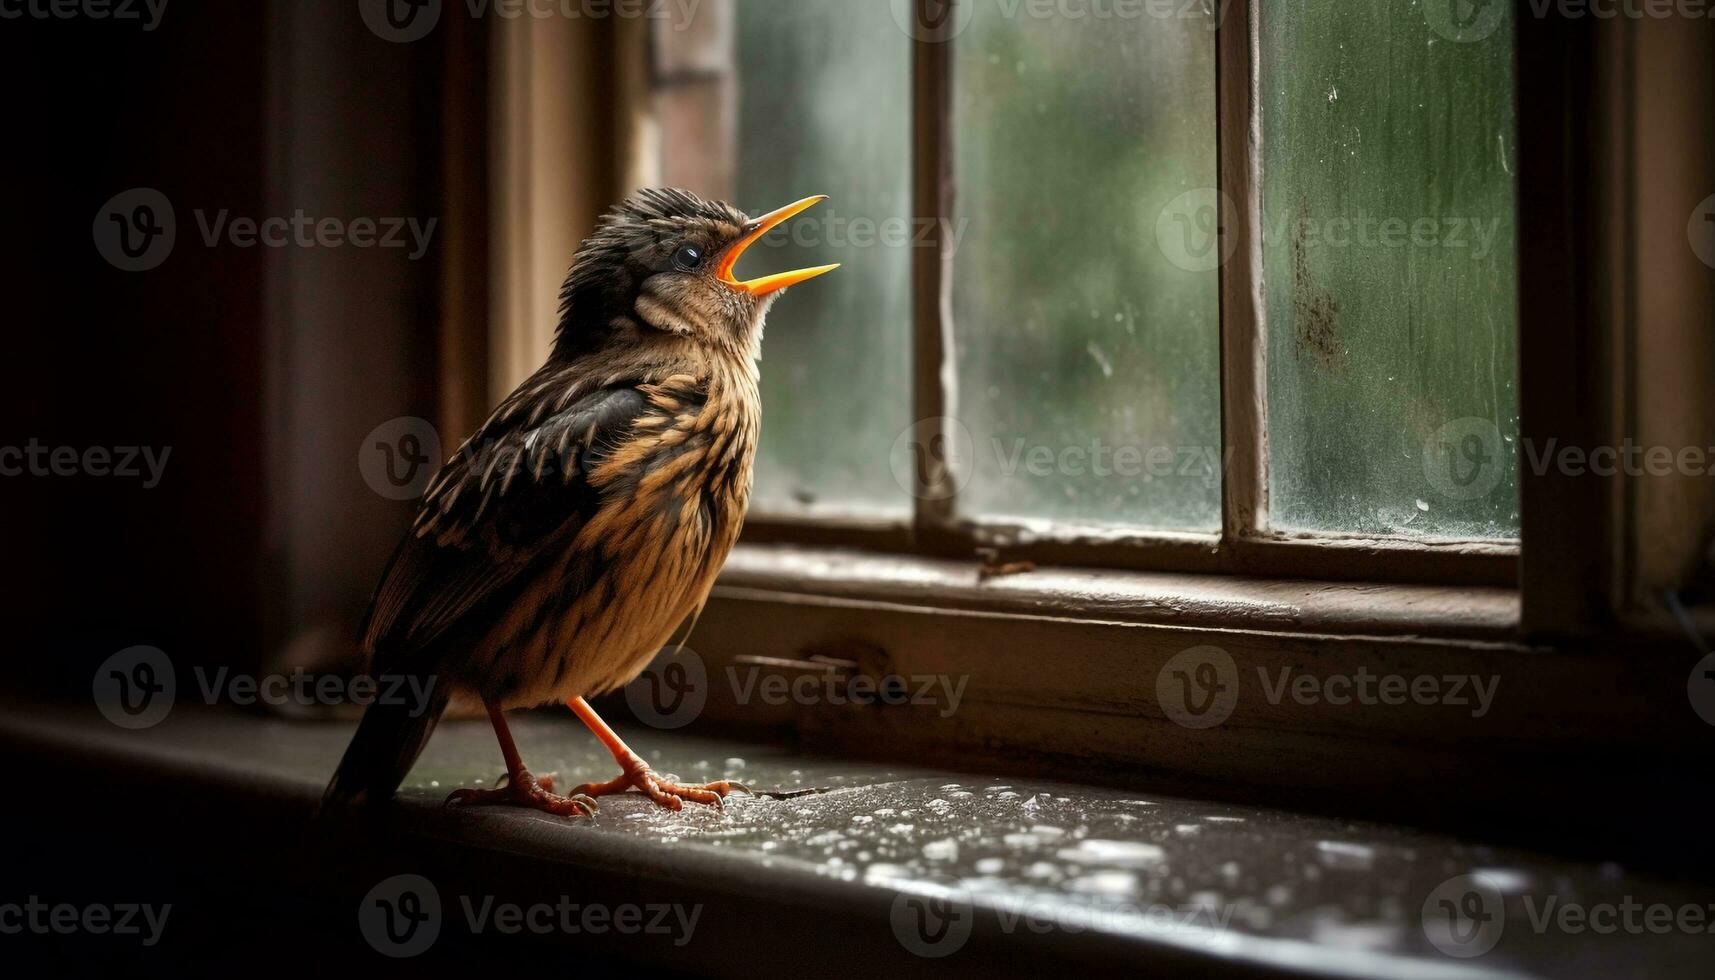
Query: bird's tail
[[388, 740]]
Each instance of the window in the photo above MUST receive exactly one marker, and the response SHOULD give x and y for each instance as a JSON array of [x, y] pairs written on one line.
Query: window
[[1389, 273], [776, 100], [1086, 362], [1111, 334]]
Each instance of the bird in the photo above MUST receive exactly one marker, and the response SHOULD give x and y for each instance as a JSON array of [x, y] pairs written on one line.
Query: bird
[[575, 532]]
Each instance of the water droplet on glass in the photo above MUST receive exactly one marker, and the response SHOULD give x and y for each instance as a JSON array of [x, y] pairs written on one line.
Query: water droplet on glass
[[1104, 883], [1345, 856], [1117, 853], [942, 850]]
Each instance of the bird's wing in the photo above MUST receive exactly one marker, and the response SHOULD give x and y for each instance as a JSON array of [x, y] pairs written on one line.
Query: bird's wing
[[513, 492]]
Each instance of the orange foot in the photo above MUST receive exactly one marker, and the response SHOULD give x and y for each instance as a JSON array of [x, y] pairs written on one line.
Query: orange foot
[[637, 775], [526, 790]]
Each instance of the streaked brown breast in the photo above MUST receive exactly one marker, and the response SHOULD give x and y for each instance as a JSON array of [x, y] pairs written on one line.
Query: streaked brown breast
[[673, 495]]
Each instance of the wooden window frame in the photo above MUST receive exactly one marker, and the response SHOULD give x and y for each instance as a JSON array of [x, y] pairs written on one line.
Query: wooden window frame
[[1585, 134], [1244, 545], [1554, 613], [1572, 89]]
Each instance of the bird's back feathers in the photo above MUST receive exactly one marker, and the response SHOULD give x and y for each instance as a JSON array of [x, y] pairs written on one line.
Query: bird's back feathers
[[513, 493]]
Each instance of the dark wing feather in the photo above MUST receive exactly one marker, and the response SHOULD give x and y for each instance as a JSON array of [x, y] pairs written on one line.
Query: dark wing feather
[[513, 492]]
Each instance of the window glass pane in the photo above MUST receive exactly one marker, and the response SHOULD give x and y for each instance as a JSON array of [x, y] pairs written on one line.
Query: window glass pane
[[817, 101], [825, 108], [1084, 305], [1389, 267]]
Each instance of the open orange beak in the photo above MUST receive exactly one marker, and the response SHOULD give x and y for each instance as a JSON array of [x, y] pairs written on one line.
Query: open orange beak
[[752, 233]]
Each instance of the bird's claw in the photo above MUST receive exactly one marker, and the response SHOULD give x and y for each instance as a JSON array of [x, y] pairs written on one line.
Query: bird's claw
[[662, 789], [526, 790]]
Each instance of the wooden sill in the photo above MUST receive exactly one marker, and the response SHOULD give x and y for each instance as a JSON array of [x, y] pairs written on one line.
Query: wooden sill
[[1251, 553], [1478, 614], [219, 804], [1062, 671]]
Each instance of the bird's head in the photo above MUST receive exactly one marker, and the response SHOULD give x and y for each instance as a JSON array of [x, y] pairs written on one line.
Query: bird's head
[[659, 272]]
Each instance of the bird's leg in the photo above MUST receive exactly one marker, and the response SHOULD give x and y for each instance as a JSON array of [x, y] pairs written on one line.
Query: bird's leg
[[522, 788], [636, 774]]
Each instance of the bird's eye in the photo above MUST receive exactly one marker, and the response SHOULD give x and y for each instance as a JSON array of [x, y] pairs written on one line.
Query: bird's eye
[[687, 257]]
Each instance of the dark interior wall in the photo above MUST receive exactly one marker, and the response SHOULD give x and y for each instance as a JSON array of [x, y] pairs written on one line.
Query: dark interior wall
[[183, 357], [351, 331], [103, 357]]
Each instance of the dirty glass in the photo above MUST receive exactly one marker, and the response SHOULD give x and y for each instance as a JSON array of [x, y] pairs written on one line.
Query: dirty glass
[[1388, 161], [1085, 290], [819, 103]]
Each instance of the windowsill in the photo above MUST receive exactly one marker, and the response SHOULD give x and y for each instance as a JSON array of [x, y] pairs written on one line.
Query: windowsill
[[1065, 672], [1258, 555], [1299, 895], [1483, 614]]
